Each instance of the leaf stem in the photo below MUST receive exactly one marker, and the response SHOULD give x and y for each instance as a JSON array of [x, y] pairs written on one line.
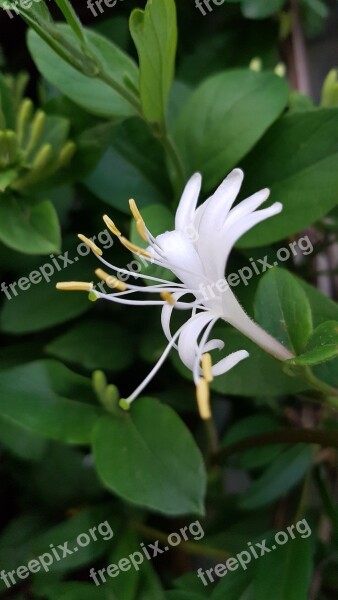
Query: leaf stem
[[289, 436]]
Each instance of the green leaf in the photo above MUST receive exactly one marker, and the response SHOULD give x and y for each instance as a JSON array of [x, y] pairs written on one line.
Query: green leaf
[[234, 586], [154, 32], [29, 227], [22, 444], [92, 94], [71, 530], [33, 303], [6, 178], [304, 180], [260, 9], [71, 18], [182, 595], [94, 344], [225, 130], [322, 307], [73, 589], [126, 585], [28, 399], [256, 457], [149, 458], [282, 475], [282, 309], [290, 567], [133, 167], [258, 375], [322, 345]]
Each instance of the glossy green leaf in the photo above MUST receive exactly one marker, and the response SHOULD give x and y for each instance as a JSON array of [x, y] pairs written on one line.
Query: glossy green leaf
[[72, 590], [283, 474], [297, 160], [137, 458], [32, 302], [29, 400], [282, 309], [225, 131], [22, 444], [133, 167], [77, 531], [260, 9], [234, 585], [126, 584], [254, 425], [92, 94], [29, 227], [182, 595], [154, 32], [286, 573], [322, 345], [94, 344]]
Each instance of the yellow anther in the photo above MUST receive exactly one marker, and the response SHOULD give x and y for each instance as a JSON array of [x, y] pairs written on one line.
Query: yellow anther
[[90, 244], [133, 248], [74, 286], [141, 229], [207, 367], [111, 281], [140, 224], [168, 297], [111, 226], [134, 210], [203, 399]]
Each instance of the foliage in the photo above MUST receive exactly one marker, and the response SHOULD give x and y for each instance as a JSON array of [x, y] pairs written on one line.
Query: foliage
[[112, 120]]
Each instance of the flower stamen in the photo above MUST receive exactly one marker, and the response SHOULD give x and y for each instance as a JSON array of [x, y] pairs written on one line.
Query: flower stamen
[[111, 226], [207, 367], [133, 248], [90, 244], [140, 224], [203, 399], [168, 297], [111, 281], [74, 286]]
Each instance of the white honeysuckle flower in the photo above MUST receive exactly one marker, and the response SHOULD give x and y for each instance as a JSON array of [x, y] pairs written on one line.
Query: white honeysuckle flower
[[196, 251]]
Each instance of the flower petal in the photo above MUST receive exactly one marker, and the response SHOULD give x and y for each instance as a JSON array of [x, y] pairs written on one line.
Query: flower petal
[[186, 208], [227, 363], [188, 340], [182, 258], [247, 206], [166, 315], [209, 223]]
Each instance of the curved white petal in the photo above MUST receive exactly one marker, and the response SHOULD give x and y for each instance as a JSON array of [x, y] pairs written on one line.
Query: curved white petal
[[209, 223], [233, 232], [247, 206], [182, 257], [229, 362], [188, 340], [166, 315], [207, 215], [186, 208], [214, 345]]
